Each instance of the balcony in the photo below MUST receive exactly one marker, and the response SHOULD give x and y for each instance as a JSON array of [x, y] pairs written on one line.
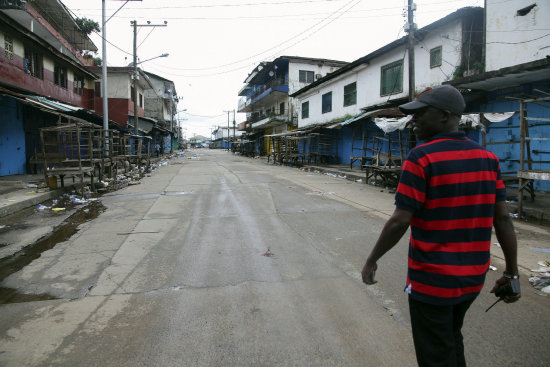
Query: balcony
[[243, 103], [271, 118], [265, 93]]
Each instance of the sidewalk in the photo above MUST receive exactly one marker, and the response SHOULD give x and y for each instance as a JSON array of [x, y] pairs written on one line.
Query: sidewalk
[[537, 212], [19, 192]]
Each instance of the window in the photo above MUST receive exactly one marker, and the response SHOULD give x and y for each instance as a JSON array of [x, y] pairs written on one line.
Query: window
[[306, 76], [350, 94], [305, 110], [327, 102], [391, 80], [435, 57], [97, 89], [33, 63], [8, 47], [140, 99], [282, 108], [60, 76], [78, 85]]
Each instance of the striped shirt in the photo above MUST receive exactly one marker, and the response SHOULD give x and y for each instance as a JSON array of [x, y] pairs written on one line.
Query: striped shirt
[[451, 185]]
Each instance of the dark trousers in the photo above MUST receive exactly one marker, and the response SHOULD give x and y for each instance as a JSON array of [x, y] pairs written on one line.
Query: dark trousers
[[437, 333]]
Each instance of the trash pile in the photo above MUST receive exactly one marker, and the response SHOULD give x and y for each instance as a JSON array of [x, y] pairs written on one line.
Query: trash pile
[[542, 280], [335, 175], [65, 202]]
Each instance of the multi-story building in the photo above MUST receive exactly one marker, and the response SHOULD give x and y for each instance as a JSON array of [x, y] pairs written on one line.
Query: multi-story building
[[161, 104], [120, 93], [265, 96], [375, 84], [41, 64], [443, 50]]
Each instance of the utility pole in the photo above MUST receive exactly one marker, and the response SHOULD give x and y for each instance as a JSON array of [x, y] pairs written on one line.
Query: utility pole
[[135, 79], [234, 138], [136, 76], [227, 130], [104, 73], [411, 28], [104, 79], [171, 119]]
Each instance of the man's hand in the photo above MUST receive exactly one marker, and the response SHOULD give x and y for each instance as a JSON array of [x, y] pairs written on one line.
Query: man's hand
[[500, 282], [367, 270]]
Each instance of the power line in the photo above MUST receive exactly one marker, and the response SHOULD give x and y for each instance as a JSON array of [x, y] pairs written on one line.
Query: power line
[[325, 25], [517, 43], [214, 116], [276, 46], [231, 5]]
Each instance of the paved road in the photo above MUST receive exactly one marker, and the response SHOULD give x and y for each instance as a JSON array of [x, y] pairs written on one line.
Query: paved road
[[226, 261]]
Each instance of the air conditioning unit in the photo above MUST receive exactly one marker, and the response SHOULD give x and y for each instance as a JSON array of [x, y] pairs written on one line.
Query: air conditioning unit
[[318, 76]]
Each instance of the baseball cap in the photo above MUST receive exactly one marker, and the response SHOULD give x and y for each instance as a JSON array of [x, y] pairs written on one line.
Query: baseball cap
[[443, 97]]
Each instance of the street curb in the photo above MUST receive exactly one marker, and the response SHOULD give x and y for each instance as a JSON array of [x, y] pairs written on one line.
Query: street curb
[[31, 201]]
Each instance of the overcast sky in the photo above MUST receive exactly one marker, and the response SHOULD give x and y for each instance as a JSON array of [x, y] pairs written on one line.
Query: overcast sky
[[215, 44]]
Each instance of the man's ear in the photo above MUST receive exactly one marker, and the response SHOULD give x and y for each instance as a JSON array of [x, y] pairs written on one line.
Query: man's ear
[[445, 116]]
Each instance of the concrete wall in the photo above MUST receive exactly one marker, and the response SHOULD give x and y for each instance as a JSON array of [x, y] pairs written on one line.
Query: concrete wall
[[514, 39], [294, 80], [119, 86]]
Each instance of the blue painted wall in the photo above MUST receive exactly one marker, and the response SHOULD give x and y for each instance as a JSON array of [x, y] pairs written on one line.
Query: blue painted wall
[[370, 130], [12, 138], [508, 130]]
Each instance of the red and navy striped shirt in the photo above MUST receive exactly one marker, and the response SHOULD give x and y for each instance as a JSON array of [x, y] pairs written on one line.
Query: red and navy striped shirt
[[451, 185]]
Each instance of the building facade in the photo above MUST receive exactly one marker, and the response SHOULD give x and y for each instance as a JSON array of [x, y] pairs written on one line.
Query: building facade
[[349, 99], [265, 95], [41, 68]]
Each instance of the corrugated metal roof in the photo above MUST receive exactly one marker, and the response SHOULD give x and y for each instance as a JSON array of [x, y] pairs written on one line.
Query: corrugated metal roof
[[51, 104]]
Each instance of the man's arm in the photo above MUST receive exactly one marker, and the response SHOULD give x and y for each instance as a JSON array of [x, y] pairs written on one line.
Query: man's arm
[[504, 230], [392, 232]]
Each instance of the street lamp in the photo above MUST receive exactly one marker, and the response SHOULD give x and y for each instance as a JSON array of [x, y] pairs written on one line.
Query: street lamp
[[152, 58]]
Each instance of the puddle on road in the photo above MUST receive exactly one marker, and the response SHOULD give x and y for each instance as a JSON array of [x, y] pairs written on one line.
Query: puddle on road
[[145, 195], [176, 193], [132, 197], [19, 260]]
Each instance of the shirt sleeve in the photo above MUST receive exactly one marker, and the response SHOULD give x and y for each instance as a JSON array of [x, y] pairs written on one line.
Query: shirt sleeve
[[411, 190]]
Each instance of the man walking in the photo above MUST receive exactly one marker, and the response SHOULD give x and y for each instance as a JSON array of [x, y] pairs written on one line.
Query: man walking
[[451, 194]]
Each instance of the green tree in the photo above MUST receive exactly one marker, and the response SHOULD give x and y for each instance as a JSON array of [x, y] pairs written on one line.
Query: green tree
[[87, 25]]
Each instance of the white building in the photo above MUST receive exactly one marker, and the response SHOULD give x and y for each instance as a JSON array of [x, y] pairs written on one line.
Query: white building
[[516, 32], [265, 96], [445, 49]]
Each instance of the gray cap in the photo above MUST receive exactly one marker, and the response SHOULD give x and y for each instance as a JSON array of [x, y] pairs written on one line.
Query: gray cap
[[443, 97]]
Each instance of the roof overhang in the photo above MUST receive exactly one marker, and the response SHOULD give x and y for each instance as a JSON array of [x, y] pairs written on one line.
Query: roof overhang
[[55, 107], [506, 77]]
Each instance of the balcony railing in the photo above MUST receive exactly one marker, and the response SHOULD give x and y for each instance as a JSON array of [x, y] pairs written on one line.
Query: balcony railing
[[270, 84], [280, 114], [242, 103]]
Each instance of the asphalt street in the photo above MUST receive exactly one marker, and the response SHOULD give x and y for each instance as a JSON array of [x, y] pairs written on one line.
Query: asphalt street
[[223, 260]]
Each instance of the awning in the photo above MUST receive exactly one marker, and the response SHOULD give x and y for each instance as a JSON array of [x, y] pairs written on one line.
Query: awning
[[374, 113], [51, 106], [293, 132]]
